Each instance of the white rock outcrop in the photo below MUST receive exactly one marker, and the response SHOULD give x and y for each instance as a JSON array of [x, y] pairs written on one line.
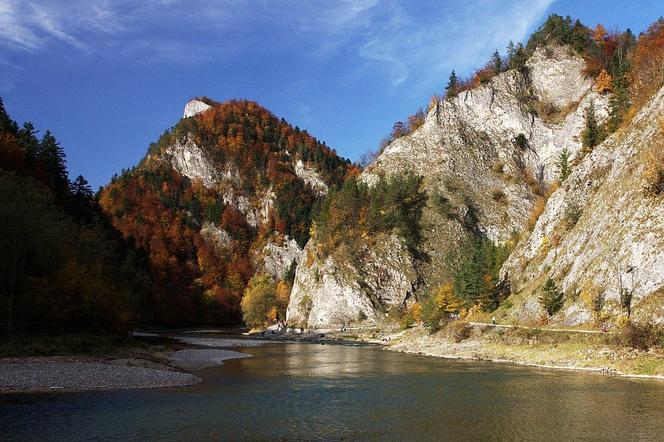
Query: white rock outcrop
[[466, 152], [311, 177], [332, 291], [195, 107], [191, 161], [277, 256]]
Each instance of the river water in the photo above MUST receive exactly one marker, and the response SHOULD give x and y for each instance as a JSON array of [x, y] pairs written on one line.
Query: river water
[[332, 392]]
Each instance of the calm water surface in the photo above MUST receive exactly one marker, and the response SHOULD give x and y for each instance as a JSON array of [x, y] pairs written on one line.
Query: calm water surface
[[333, 392]]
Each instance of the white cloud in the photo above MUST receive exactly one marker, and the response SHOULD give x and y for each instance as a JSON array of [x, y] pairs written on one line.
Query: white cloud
[[398, 39], [402, 41]]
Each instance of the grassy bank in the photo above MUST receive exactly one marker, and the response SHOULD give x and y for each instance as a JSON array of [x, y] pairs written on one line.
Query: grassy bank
[[89, 345], [537, 347]]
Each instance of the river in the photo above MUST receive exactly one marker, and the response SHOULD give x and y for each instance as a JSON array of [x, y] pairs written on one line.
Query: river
[[297, 391]]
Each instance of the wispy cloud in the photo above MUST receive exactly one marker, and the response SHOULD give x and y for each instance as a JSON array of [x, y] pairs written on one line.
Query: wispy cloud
[[395, 38], [399, 37]]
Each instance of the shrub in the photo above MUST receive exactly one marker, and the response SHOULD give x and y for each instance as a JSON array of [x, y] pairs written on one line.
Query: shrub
[[538, 209], [572, 214], [521, 141], [407, 320], [546, 110], [431, 314], [444, 206], [498, 195], [533, 182], [654, 170], [460, 331], [551, 298], [498, 167], [642, 336]]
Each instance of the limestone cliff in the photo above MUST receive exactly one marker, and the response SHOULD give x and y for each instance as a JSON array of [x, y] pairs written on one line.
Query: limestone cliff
[[333, 291], [487, 153], [600, 233]]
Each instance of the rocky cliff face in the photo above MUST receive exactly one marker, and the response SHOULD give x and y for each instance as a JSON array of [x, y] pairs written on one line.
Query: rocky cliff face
[[333, 291], [487, 153], [601, 233], [196, 161], [194, 107]]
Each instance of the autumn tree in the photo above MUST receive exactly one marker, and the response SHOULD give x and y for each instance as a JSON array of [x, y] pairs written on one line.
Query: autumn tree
[[259, 301], [604, 82], [647, 74]]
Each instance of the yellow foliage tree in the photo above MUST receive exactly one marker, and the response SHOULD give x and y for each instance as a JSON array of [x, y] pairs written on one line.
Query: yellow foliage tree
[[446, 300], [604, 82], [416, 312], [260, 298]]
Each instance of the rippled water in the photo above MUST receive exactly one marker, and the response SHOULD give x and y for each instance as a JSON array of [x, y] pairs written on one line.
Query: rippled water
[[333, 392]]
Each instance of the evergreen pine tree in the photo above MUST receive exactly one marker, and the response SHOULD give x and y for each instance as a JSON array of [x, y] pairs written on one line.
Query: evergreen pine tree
[[81, 188], [591, 134], [6, 123], [551, 298], [519, 59], [619, 101], [496, 62], [452, 85], [511, 50], [52, 159], [563, 165], [27, 139]]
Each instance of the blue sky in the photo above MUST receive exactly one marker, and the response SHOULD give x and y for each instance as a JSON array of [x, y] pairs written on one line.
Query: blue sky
[[109, 76]]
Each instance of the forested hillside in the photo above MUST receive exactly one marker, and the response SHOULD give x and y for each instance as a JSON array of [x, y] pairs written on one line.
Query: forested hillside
[[63, 267], [227, 193]]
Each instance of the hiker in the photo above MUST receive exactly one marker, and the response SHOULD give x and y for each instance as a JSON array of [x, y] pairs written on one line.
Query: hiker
[[493, 320]]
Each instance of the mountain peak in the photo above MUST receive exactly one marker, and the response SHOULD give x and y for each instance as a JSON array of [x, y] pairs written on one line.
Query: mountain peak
[[194, 107]]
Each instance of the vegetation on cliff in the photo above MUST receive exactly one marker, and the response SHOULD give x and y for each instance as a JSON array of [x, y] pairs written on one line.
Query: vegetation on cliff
[[163, 211]]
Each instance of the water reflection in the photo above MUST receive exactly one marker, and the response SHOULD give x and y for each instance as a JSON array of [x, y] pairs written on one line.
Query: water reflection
[[309, 391]]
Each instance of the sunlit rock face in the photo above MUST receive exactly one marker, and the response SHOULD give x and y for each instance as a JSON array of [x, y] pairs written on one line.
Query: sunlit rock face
[[485, 151], [278, 255], [616, 243], [333, 292], [194, 107], [191, 161], [311, 177]]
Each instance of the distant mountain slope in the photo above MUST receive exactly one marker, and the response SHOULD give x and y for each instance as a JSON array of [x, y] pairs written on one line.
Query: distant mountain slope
[[227, 192]]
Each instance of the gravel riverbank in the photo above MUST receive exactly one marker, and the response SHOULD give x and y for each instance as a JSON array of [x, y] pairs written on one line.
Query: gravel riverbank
[[48, 375], [67, 374]]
